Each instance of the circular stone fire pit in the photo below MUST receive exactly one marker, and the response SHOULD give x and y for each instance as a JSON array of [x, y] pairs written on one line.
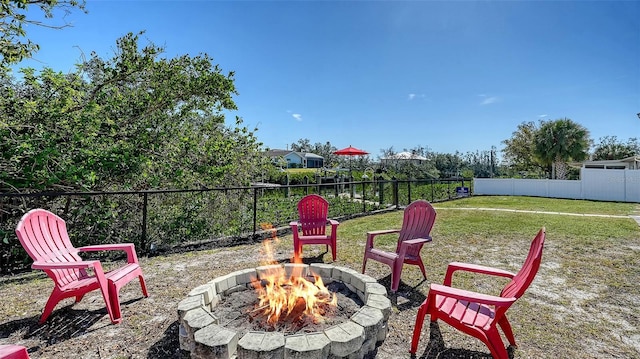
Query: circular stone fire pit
[[204, 336]]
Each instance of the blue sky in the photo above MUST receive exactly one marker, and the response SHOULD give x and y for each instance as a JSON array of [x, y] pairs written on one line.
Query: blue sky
[[446, 75]]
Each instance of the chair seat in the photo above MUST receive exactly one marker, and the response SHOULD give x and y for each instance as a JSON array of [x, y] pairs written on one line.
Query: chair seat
[[382, 254], [13, 352], [90, 281], [129, 270], [468, 313]]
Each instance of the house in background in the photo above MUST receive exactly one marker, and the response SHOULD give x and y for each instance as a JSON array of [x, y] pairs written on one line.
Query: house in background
[[629, 163], [296, 159], [403, 157]]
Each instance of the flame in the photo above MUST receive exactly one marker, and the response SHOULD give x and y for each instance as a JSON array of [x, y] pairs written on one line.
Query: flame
[[282, 297]]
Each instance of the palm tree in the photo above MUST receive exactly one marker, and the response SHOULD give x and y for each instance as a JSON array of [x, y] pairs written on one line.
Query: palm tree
[[559, 142]]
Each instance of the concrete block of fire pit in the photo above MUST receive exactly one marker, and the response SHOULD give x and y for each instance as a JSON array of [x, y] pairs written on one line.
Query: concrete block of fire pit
[[245, 276], [192, 321], [307, 346], [372, 320], [373, 288], [214, 341], [188, 304], [346, 338], [359, 282], [345, 275], [261, 345], [207, 291], [296, 269], [268, 269], [223, 283], [323, 270], [380, 302]]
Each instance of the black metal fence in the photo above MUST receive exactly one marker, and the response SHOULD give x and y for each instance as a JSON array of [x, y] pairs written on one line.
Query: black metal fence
[[165, 219]]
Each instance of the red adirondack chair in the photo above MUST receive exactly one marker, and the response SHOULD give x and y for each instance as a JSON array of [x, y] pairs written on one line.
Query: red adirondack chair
[[476, 314], [44, 236], [419, 217], [313, 211], [13, 352]]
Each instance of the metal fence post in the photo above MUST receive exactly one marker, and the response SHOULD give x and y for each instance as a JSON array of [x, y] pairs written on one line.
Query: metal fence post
[[381, 190], [395, 191], [143, 239], [409, 190], [432, 185], [255, 210], [364, 197], [351, 187]]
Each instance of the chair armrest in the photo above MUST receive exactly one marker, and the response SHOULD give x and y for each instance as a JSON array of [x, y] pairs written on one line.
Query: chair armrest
[[372, 234], [404, 245], [411, 242], [382, 231], [294, 230], [67, 265], [475, 268], [333, 222], [470, 296], [129, 248]]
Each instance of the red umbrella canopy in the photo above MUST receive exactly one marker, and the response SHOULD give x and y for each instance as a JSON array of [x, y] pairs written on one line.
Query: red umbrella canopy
[[351, 151]]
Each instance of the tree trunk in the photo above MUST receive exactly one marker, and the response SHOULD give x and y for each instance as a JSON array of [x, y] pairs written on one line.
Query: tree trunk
[[560, 167]]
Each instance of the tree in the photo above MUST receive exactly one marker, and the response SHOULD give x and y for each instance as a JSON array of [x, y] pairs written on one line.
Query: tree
[[303, 145], [559, 142], [482, 164], [131, 122], [448, 164], [14, 44], [326, 150], [610, 148], [519, 150]]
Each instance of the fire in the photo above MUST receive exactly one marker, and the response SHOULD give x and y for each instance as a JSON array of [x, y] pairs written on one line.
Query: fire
[[288, 298]]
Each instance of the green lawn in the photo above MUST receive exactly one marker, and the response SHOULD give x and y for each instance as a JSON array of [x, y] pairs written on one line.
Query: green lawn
[[543, 204]]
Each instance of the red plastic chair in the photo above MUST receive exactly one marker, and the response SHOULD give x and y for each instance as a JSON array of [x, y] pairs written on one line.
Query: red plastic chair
[[44, 236], [479, 315], [418, 220], [313, 211], [13, 352]]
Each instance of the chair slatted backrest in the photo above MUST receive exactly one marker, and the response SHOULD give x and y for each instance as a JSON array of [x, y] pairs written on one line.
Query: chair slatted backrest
[[313, 211], [419, 217], [521, 281], [44, 236]]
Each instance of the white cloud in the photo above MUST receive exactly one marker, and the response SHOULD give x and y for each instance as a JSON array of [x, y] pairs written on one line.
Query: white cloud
[[297, 116], [413, 96], [489, 99], [543, 116]]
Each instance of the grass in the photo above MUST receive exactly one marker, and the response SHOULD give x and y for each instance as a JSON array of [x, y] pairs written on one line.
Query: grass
[[581, 304], [543, 204], [582, 301]]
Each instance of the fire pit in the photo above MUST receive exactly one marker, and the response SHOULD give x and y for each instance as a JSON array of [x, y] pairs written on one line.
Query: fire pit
[[207, 335]]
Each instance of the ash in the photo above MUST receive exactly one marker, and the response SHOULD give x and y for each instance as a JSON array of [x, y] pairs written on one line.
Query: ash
[[237, 312]]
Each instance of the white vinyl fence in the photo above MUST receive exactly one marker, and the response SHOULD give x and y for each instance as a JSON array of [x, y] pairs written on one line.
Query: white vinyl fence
[[595, 184]]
